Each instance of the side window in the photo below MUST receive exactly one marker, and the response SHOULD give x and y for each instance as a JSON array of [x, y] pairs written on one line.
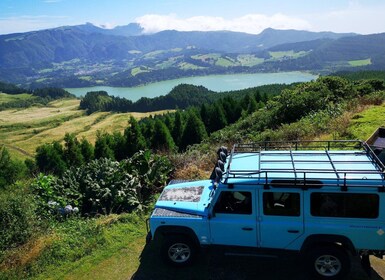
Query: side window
[[344, 205], [234, 202], [281, 204]]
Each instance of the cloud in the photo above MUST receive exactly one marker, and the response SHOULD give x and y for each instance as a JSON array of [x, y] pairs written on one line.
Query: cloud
[[251, 23], [364, 19]]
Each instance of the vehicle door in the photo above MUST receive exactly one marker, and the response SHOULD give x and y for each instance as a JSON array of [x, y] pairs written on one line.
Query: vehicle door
[[233, 220], [281, 217]]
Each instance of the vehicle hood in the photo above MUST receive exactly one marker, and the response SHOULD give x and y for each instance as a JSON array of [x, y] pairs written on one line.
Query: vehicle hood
[[190, 197]]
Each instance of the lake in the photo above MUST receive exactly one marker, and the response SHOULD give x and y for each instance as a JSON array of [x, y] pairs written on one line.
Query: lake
[[216, 83]]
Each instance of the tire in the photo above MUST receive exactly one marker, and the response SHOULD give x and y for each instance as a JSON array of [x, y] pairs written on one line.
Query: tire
[[329, 262], [178, 250]]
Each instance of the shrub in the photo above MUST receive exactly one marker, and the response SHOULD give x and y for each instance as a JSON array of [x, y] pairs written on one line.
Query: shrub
[[17, 217], [52, 196], [10, 170], [105, 186]]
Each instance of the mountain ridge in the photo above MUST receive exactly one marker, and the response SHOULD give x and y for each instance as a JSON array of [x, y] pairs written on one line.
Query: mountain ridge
[[83, 55]]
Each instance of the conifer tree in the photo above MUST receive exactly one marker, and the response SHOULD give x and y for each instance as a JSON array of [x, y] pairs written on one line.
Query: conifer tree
[[102, 146], [162, 139], [217, 118], [178, 128], [87, 150], [253, 106], [134, 139], [49, 158], [194, 130], [72, 151], [120, 147]]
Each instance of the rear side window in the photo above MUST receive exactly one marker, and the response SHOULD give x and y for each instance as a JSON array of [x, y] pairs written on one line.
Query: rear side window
[[281, 204], [345, 205]]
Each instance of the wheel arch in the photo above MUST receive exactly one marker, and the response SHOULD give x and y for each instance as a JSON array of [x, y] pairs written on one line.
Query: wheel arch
[[328, 239], [164, 231]]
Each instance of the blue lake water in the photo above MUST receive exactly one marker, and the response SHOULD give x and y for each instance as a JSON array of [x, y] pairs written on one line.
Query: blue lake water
[[216, 83]]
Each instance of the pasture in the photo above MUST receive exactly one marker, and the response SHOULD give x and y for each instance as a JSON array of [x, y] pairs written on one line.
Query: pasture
[[23, 130]]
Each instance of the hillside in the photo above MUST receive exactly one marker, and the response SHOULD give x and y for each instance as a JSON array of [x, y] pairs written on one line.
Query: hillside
[[363, 51], [113, 246], [22, 131], [75, 56]]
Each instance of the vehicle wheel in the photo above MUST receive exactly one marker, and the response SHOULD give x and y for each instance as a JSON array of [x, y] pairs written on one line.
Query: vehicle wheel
[[329, 262], [178, 250]]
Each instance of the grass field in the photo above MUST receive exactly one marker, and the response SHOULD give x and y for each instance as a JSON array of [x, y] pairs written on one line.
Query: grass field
[[363, 124], [14, 97], [249, 60], [362, 62], [287, 54], [22, 131], [113, 247]]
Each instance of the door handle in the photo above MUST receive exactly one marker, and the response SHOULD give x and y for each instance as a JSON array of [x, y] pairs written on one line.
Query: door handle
[[247, 228], [293, 231]]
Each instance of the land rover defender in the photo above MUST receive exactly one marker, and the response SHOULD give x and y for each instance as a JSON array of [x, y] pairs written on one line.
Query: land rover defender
[[324, 200]]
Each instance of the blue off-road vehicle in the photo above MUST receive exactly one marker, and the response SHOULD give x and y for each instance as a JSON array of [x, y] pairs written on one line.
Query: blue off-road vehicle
[[323, 200]]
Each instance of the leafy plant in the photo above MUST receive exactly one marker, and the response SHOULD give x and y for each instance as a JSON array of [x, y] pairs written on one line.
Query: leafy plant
[[105, 186], [17, 217]]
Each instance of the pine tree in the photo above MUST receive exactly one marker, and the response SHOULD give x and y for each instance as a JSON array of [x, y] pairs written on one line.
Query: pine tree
[[120, 146], [134, 139], [194, 130], [49, 158], [178, 128], [204, 112], [102, 147], [162, 139], [72, 151], [87, 150], [232, 109], [217, 118], [253, 106]]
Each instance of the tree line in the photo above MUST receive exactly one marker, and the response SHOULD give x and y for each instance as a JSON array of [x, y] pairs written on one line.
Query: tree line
[[180, 97], [40, 96], [169, 132]]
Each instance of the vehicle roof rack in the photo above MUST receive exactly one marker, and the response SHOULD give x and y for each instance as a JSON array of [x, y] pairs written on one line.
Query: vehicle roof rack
[[306, 164]]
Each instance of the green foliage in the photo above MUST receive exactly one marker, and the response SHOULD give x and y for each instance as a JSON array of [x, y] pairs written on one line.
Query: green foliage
[[362, 75], [134, 138], [104, 146], [39, 97], [105, 186], [71, 248], [95, 101], [17, 217], [177, 128], [87, 150], [11, 88], [182, 97], [194, 130], [72, 150], [49, 158], [161, 139], [152, 170], [52, 93], [52, 196], [318, 105], [10, 170]]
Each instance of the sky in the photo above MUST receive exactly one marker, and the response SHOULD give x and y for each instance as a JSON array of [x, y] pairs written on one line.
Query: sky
[[251, 16]]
